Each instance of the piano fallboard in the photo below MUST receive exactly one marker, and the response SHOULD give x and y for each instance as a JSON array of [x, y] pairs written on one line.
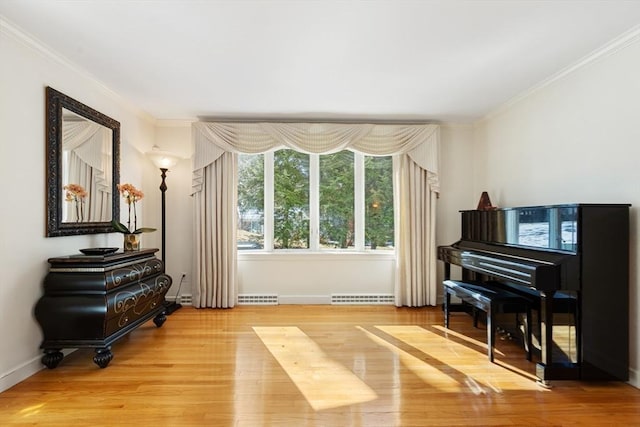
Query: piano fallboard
[[542, 273]]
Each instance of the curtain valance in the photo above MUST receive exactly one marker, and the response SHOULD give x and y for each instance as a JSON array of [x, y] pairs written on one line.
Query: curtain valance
[[212, 139]]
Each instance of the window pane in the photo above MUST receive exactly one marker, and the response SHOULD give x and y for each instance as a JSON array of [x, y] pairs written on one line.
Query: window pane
[[336, 200], [291, 200], [250, 201], [378, 202]]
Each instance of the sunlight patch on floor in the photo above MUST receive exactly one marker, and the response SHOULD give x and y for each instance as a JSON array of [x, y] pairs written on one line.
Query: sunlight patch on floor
[[459, 336], [430, 374], [471, 366], [323, 382]]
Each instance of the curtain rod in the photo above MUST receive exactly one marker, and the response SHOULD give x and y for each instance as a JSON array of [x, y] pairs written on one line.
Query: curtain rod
[[318, 120]]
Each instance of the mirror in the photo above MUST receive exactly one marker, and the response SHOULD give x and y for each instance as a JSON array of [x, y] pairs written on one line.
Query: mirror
[[83, 167]]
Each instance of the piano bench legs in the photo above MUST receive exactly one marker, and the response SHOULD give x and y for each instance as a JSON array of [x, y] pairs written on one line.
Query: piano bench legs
[[491, 300]]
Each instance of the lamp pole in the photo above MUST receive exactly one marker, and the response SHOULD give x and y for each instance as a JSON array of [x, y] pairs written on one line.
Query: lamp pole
[[169, 306], [163, 189], [165, 160]]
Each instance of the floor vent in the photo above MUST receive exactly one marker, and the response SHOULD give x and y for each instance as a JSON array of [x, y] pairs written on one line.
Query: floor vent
[[364, 299], [258, 299]]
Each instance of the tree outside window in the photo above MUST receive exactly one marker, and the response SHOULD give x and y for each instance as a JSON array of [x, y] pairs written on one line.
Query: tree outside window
[[379, 202], [250, 201], [344, 200], [337, 200], [291, 200]]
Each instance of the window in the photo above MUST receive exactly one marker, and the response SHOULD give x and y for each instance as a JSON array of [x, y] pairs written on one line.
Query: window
[[337, 200], [378, 202], [292, 200], [251, 201]]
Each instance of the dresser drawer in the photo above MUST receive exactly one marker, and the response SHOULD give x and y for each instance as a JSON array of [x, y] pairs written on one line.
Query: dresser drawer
[[122, 276], [128, 304]]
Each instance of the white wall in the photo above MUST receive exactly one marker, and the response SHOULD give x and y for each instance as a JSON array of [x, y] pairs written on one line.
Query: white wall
[[311, 278], [457, 187], [24, 74], [174, 137], [573, 140]]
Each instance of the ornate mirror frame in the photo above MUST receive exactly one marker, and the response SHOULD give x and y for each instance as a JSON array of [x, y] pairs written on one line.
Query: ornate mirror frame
[[55, 102]]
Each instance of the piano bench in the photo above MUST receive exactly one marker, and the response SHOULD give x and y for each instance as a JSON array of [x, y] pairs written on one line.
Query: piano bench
[[490, 299]]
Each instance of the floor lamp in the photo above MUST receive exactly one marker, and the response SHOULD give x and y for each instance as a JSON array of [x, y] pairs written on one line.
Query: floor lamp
[[165, 160]]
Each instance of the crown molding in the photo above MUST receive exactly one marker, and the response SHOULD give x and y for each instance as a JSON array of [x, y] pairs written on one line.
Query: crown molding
[[622, 41], [458, 125], [174, 123], [17, 34]]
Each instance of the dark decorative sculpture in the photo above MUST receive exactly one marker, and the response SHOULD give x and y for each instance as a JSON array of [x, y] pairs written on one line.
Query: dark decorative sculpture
[[485, 203]]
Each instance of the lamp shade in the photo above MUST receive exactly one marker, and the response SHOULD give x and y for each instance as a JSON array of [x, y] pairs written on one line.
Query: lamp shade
[[163, 159]]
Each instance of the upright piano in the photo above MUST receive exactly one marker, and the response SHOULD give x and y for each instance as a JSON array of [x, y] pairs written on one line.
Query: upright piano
[[573, 260]]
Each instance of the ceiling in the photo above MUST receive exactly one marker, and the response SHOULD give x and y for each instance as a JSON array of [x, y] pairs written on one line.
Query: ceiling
[[447, 60]]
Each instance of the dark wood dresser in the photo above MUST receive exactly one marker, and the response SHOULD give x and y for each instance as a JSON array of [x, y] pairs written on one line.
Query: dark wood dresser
[[92, 301]]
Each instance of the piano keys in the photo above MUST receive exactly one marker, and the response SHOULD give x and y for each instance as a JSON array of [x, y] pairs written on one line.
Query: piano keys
[[573, 261]]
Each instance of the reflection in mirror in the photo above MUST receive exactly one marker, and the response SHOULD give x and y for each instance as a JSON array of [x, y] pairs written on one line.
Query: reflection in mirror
[[83, 148], [86, 169]]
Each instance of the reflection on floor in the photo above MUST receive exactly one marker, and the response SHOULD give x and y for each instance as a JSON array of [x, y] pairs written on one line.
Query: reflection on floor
[[324, 382]]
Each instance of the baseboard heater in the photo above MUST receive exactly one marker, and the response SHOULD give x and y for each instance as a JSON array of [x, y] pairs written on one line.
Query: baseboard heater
[[184, 299], [362, 299], [336, 299], [258, 299]]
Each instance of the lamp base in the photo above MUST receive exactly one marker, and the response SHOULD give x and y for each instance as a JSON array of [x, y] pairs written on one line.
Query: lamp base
[[170, 307]]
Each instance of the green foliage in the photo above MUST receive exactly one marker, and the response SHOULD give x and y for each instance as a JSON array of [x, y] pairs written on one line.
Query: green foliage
[[378, 201], [250, 183], [291, 199], [337, 199], [251, 198], [121, 228]]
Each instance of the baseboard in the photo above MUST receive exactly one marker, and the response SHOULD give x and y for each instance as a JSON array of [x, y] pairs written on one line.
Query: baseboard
[[21, 373], [633, 378], [24, 371], [304, 299]]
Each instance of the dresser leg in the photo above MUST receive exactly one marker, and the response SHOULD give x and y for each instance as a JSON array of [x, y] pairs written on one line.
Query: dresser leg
[[52, 357], [103, 357], [160, 319]]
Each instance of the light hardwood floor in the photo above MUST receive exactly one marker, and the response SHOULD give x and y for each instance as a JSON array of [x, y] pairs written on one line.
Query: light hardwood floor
[[310, 366]]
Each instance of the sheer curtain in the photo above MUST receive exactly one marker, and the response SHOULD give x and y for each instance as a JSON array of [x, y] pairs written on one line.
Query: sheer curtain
[[416, 160], [87, 147]]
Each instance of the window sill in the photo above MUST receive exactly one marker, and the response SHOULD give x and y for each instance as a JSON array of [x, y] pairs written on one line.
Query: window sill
[[307, 255]]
